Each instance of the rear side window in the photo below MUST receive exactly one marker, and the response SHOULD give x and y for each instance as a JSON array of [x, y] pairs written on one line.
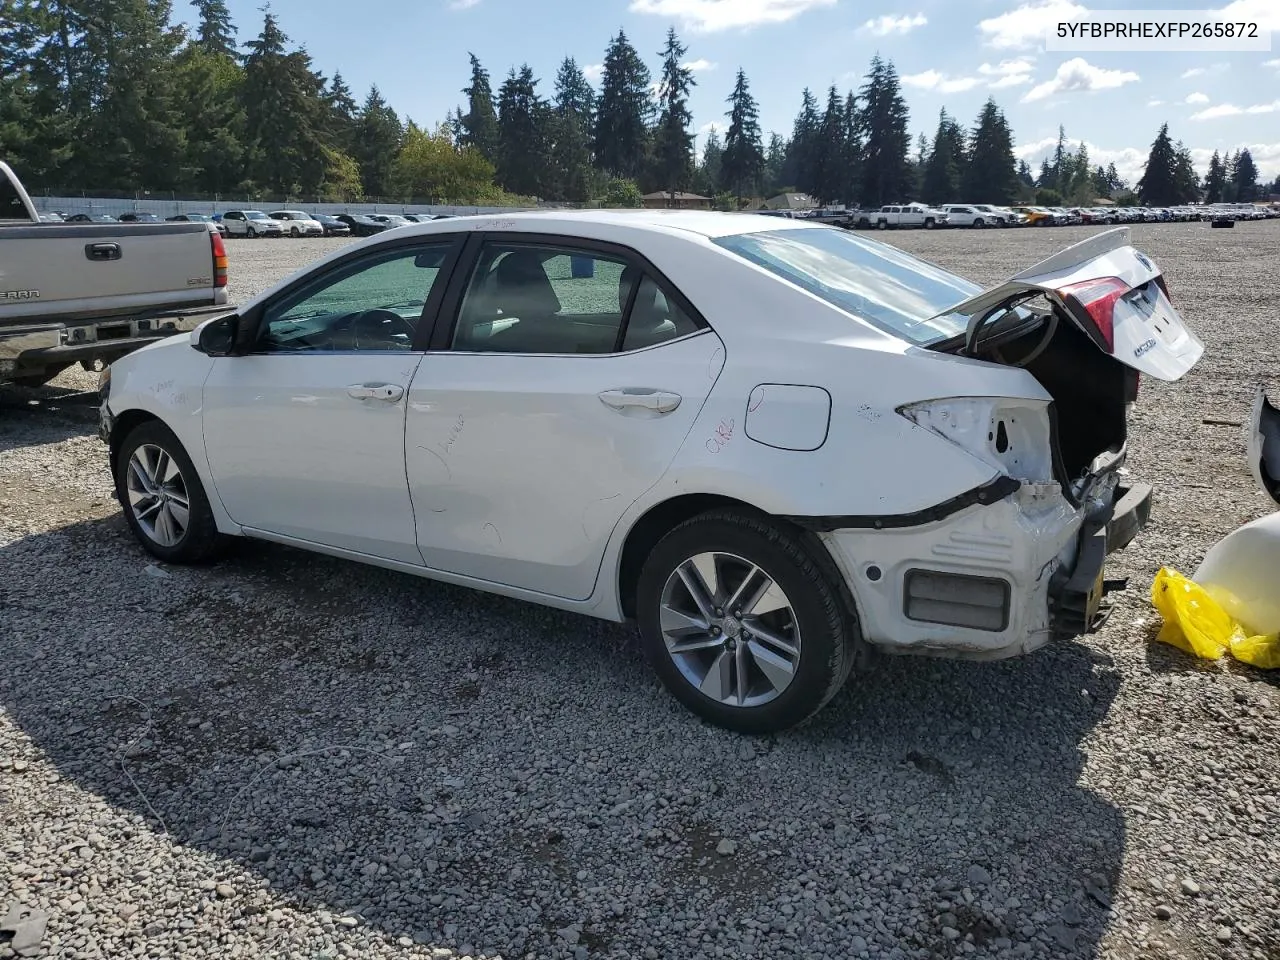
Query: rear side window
[[875, 282]]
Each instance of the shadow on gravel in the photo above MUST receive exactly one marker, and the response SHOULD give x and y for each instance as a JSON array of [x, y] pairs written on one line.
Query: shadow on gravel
[[40, 415], [478, 773]]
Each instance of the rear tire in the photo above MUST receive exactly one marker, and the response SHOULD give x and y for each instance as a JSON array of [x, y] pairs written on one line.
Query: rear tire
[[761, 667], [929, 224], [163, 499], [882, 224]]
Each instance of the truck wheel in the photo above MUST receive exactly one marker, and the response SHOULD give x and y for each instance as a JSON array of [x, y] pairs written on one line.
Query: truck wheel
[[163, 499], [743, 624], [979, 223], [929, 224], [882, 224]]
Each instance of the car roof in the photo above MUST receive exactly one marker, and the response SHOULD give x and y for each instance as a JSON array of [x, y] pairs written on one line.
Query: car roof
[[697, 222]]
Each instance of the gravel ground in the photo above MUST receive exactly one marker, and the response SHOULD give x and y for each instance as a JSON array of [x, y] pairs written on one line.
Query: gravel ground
[[292, 756]]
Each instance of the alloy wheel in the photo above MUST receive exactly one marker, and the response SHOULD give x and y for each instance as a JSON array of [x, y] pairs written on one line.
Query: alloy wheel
[[730, 629], [158, 495]]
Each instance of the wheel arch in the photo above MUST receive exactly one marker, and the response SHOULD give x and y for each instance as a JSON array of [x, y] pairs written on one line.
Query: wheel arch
[[122, 426]]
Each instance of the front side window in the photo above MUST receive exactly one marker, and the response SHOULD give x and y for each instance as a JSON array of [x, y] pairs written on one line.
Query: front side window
[[372, 304], [876, 282]]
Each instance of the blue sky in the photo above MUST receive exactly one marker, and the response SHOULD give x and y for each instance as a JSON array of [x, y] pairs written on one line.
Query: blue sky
[[950, 53]]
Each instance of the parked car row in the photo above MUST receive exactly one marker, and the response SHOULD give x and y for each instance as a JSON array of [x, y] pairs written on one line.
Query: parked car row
[[253, 224], [979, 215]]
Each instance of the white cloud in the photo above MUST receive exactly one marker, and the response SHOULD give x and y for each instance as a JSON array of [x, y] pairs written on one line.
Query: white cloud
[[1197, 98], [1155, 103], [889, 24], [933, 80], [1129, 161], [1194, 72], [1007, 73], [1265, 13], [462, 4], [1211, 70], [1027, 25], [1231, 110], [709, 16], [1271, 63], [1078, 75], [700, 65], [593, 71]]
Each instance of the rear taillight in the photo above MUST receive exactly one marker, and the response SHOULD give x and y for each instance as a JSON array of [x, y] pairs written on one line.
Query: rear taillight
[[219, 258], [1098, 299]]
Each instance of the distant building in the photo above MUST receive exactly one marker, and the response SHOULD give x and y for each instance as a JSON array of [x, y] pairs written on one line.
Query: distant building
[[796, 202], [679, 200]]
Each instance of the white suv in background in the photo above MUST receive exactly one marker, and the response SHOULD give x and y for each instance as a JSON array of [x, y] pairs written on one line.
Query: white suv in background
[[968, 215], [296, 223], [251, 224]]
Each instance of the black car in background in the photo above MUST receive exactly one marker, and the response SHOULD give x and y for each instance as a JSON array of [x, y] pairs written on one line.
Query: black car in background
[[139, 218], [198, 218], [333, 226], [362, 226], [91, 218]]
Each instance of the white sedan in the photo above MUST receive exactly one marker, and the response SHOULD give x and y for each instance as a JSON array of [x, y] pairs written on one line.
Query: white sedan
[[772, 443]]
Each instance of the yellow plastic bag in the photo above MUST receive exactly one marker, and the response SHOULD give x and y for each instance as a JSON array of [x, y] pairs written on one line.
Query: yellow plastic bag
[[1196, 623]]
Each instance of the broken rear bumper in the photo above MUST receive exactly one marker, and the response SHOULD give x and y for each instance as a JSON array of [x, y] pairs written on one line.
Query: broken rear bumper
[[993, 580]]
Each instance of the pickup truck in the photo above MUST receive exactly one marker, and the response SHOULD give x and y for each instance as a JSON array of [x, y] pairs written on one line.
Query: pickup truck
[[906, 215], [88, 292]]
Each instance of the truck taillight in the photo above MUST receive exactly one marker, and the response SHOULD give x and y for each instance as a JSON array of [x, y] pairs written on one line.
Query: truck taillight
[[219, 258], [1098, 299]]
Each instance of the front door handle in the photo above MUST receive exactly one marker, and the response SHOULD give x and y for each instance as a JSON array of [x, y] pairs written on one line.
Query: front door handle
[[658, 401], [386, 392]]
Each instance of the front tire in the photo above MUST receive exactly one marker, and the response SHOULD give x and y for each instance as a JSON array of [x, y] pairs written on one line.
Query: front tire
[[929, 224], [882, 224], [295, 232], [979, 223], [252, 234], [744, 624], [163, 499]]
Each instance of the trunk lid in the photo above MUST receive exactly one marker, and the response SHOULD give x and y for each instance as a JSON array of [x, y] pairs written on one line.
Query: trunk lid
[[1115, 294]]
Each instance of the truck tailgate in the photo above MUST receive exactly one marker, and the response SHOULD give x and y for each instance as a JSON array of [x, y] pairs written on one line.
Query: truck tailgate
[[71, 271]]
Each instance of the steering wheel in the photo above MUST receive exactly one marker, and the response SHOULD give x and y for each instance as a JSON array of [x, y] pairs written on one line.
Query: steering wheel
[[381, 327]]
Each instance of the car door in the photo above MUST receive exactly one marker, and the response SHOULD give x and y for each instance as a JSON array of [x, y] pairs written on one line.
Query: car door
[[561, 390], [305, 432]]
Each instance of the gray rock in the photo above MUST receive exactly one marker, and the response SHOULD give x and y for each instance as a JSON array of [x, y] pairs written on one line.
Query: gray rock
[[978, 876], [727, 847], [1190, 887], [1163, 912]]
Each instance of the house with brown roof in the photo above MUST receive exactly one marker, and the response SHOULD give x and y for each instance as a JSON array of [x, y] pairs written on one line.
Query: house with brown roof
[[676, 200]]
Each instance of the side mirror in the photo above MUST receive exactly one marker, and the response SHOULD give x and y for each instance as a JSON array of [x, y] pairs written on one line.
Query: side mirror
[[218, 337]]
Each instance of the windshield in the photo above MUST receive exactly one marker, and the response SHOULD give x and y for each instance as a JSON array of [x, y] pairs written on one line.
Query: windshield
[[876, 282], [255, 215]]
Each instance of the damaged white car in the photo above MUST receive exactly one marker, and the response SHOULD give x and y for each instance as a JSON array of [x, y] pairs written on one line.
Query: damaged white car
[[1240, 570], [771, 443]]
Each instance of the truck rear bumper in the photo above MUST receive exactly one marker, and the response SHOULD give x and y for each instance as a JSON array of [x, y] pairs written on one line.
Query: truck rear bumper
[[29, 349]]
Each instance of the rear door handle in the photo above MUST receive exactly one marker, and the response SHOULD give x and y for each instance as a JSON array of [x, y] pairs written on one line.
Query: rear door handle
[[658, 401], [386, 392], [103, 251]]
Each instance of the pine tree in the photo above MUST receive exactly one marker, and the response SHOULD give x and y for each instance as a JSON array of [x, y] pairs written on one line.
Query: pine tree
[[1215, 180], [672, 140], [343, 114], [886, 174], [743, 161], [574, 108], [479, 125], [992, 173], [209, 98], [775, 158], [1024, 175], [623, 111], [1158, 186], [1186, 181], [215, 33], [830, 161], [945, 168], [800, 169], [523, 127], [709, 177], [852, 149], [378, 138], [1246, 178]]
